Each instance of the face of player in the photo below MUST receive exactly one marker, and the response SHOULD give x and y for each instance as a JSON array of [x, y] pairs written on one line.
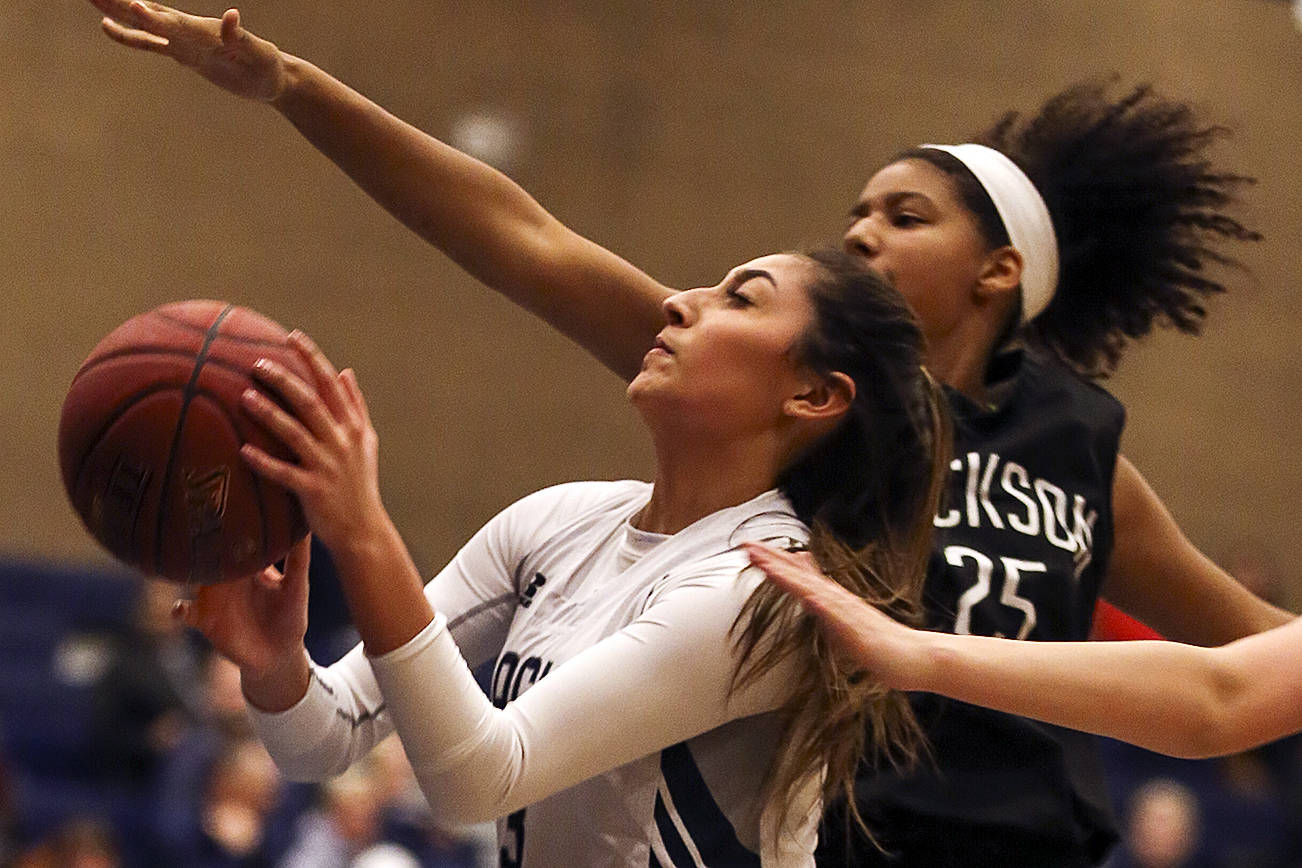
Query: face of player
[[911, 226], [727, 359]]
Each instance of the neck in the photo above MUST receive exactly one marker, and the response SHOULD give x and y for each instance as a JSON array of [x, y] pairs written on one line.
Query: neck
[[960, 366], [960, 356], [693, 481]]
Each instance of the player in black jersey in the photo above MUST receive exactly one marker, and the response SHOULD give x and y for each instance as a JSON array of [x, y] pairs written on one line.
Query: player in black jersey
[[1044, 514]]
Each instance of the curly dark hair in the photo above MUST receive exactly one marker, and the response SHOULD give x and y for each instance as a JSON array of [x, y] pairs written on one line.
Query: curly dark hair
[[1139, 210]]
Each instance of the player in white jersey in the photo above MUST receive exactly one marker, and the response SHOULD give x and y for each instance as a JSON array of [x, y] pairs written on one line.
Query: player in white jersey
[[656, 703], [571, 556]]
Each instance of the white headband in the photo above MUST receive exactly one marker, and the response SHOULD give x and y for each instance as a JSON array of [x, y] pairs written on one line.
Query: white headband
[[1026, 219]]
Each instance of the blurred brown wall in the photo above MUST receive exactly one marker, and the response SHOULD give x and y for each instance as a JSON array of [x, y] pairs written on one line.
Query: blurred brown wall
[[686, 136]]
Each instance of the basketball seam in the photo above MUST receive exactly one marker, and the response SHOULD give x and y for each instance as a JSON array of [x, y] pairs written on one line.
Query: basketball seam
[[257, 484], [183, 323], [117, 414], [187, 395], [243, 339], [92, 364]]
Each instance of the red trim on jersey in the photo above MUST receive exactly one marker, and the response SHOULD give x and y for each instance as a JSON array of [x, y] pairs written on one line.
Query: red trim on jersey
[[1112, 623]]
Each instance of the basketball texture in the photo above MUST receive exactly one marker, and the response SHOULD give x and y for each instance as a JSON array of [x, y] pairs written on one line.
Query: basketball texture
[[149, 442]]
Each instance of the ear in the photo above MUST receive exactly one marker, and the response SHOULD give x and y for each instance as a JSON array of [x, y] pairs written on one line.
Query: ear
[[1001, 274], [822, 397]]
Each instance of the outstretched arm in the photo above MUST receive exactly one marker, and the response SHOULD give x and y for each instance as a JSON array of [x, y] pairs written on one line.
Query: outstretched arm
[[475, 214], [1164, 696]]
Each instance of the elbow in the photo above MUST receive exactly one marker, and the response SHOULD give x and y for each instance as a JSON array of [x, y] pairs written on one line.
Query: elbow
[[449, 814], [468, 792], [455, 806], [307, 769], [1218, 722], [1211, 736]]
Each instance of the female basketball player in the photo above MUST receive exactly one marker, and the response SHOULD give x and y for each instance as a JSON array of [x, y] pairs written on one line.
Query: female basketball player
[[1169, 697], [1043, 511], [645, 690]]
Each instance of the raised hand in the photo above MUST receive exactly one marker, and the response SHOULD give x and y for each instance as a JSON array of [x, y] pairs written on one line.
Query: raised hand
[[257, 622], [329, 430], [219, 49]]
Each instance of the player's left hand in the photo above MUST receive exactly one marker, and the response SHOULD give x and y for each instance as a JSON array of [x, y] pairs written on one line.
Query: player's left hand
[[328, 428]]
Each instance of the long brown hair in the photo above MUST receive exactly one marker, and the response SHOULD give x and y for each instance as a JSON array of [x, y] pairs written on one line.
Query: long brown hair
[[869, 492]]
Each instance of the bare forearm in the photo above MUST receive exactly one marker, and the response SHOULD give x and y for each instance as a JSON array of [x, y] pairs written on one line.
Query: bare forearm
[[1177, 699], [279, 687], [383, 588], [1227, 611], [480, 218], [1167, 697], [1157, 575], [449, 198]]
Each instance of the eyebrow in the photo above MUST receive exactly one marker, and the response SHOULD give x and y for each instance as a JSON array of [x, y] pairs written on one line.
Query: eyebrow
[[862, 207], [746, 274]]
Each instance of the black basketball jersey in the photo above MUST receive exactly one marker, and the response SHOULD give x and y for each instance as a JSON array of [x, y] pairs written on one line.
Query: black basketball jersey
[[1022, 543]]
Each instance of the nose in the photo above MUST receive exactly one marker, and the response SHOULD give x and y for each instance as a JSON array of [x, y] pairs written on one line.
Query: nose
[[678, 308], [862, 239]]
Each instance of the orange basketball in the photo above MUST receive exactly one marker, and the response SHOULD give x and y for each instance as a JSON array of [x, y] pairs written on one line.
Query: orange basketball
[[149, 442]]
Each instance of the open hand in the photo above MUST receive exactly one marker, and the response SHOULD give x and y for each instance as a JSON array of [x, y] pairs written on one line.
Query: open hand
[[861, 632], [219, 49], [328, 428]]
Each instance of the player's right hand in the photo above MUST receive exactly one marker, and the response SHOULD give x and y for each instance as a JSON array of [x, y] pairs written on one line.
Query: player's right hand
[[219, 49], [257, 622]]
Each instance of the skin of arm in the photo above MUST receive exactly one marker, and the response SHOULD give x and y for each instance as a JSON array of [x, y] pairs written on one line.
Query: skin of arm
[[1164, 696], [481, 219], [259, 624], [475, 214], [1159, 577], [336, 479]]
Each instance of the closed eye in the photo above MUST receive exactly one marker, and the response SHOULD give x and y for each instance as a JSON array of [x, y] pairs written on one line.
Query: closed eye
[[736, 299]]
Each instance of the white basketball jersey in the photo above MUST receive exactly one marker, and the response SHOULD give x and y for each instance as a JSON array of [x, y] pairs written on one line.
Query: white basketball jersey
[[693, 803], [617, 739]]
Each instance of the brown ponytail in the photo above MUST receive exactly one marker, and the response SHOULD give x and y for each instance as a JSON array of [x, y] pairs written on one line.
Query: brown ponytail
[[869, 492]]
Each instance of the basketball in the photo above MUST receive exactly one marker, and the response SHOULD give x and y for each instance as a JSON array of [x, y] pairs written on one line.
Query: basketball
[[149, 440]]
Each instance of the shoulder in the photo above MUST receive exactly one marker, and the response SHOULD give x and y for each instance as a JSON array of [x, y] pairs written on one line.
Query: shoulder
[[1046, 375], [725, 579], [540, 515], [568, 499], [1047, 417], [1048, 394]]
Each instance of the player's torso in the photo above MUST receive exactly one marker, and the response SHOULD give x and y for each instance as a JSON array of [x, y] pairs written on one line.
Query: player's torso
[[574, 591], [1022, 544], [1024, 533]]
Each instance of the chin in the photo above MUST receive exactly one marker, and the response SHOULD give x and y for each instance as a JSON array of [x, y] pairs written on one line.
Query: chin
[[652, 400], [636, 387], [648, 382]]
